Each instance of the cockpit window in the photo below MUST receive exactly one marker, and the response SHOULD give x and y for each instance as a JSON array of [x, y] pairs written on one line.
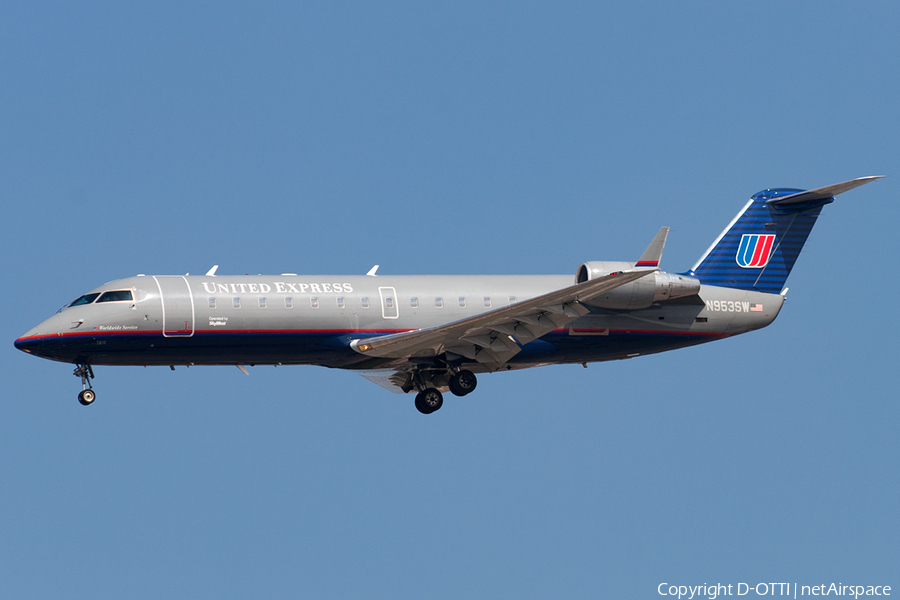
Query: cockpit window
[[116, 296], [86, 299]]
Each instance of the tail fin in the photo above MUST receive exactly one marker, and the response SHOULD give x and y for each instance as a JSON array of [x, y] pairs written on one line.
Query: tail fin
[[759, 247]]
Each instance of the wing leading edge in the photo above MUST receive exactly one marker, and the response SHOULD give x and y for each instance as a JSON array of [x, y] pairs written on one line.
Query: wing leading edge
[[494, 337]]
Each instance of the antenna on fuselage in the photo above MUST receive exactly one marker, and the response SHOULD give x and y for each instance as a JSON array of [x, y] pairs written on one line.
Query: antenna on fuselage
[[371, 272], [212, 272]]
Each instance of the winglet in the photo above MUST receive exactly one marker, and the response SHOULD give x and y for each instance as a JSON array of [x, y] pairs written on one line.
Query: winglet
[[652, 255]]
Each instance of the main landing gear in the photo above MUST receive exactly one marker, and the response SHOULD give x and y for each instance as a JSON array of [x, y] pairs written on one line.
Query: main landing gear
[[430, 399], [86, 395], [463, 383]]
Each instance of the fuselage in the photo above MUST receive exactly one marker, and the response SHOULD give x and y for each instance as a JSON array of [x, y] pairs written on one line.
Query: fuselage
[[289, 319], [432, 334]]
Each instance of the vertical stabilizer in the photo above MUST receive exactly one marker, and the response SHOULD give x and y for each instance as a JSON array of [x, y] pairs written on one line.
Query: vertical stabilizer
[[759, 247]]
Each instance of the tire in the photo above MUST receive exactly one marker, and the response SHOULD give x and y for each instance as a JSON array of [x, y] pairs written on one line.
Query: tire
[[86, 397], [429, 401], [463, 383]]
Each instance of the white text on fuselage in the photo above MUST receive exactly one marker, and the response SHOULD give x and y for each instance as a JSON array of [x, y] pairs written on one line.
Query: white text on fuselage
[[730, 306], [279, 287]]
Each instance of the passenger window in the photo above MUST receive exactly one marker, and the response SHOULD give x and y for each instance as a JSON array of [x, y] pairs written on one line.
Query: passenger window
[[439, 302], [414, 302], [262, 303], [462, 301], [212, 302], [487, 302], [340, 302], [289, 302], [512, 300], [365, 302], [117, 296], [314, 302], [236, 302]]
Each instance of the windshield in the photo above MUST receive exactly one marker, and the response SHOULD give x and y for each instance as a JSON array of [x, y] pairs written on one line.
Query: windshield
[[117, 296], [86, 299]]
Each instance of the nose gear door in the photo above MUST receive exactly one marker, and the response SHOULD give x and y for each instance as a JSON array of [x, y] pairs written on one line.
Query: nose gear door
[[177, 306]]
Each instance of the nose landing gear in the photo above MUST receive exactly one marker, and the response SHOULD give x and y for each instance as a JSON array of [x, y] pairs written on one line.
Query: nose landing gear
[[86, 395]]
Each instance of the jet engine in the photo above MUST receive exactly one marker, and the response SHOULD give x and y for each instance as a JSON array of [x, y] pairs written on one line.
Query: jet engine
[[658, 286]]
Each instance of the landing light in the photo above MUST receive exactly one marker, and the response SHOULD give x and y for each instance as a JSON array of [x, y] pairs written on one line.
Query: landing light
[[364, 347]]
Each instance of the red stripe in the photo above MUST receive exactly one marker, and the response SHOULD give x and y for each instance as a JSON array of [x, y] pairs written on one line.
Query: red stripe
[[769, 248], [339, 331], [645, 332], [763, 247], [757, 252], [53, 336]]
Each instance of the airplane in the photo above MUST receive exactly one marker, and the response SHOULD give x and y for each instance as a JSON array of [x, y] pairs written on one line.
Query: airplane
[[435, 333]]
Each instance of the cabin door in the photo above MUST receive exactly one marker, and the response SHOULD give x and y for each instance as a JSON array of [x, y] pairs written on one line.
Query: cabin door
[[389, 304], [177, 306]]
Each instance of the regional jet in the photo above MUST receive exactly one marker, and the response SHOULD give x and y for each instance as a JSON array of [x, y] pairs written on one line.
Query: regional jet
[[433, 334]]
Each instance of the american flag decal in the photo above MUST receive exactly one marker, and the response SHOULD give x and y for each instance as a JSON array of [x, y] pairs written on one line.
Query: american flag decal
[[754, 250], [756, 307]]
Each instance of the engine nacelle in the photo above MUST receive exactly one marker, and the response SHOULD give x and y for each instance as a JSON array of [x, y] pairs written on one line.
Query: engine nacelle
[[655, 287]]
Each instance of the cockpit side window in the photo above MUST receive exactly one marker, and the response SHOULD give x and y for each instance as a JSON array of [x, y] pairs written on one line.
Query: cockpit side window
[[116, 296], [86, 299]]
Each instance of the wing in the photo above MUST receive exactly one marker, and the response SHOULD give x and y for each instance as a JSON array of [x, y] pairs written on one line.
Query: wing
[[494, 337]]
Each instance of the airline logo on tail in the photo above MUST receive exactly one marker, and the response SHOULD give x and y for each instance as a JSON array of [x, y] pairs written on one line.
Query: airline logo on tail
[[755, 250]]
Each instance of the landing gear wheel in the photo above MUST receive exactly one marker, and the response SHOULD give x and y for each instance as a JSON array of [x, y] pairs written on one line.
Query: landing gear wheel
[[429, 401], [86, 396], [463, 383]]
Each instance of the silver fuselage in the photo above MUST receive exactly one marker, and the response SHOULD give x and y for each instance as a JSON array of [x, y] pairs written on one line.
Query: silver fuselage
[[288, 319]]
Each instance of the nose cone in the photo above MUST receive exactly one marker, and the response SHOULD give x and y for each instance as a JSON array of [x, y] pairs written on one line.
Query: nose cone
[[30, 342], [23, 343], [31, 335], [46, 339]]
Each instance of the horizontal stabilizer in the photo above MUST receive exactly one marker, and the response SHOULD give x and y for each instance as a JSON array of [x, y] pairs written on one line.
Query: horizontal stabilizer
[[824, 193]]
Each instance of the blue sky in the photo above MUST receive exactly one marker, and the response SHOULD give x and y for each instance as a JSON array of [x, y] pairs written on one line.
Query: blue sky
[[447, 138]]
